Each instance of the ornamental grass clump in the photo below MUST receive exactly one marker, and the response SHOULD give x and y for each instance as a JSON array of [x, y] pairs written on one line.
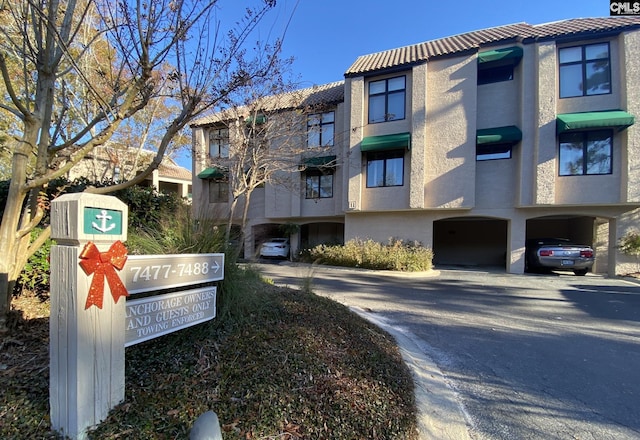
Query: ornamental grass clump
[[368, 254]]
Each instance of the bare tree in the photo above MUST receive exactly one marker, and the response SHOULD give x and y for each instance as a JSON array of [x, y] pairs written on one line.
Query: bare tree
[[75, 71], [267, 125]]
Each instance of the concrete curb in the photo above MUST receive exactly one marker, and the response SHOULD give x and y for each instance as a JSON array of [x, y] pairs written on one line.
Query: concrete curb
[[440, 416]]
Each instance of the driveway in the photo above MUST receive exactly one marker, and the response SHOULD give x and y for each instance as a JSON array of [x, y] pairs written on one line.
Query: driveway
[[527, 356]]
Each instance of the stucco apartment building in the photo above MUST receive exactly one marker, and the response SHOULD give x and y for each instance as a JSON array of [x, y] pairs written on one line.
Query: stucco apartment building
[[470, 144]]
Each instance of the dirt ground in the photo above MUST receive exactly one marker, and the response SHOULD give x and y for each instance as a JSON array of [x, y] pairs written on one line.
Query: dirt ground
[[27, 343]]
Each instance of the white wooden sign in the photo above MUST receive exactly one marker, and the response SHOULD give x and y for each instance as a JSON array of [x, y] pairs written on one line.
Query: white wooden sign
[[148, 273], [148, 318]]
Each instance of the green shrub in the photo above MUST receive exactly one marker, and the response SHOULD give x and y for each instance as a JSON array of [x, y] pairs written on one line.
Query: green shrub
[[146, 205], [35, 276], [178, 233], [395, 255], [630, 244], [239, 293]]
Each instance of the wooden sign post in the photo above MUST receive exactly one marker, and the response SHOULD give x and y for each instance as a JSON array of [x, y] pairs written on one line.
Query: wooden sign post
[[87, 324]]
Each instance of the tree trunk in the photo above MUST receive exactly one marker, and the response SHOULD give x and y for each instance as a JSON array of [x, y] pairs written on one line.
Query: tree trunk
[[11, 243]]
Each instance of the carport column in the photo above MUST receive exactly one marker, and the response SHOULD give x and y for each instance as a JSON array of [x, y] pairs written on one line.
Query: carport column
[[516, 235], [87, 325], [613, 248]]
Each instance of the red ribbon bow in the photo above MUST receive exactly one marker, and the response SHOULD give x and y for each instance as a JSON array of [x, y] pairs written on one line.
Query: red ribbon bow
[[101, 265]]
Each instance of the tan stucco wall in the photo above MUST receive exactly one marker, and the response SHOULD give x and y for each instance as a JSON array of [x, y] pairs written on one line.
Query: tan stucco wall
[[386, 225], [499, 105], [450, 174], [354, 172], [417, 156], [631, 102], [496, 183], [545, 144]]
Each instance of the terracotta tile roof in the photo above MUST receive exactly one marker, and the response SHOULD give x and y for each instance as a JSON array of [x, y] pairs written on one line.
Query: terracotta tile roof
[[323, 94], [472, 41], [174, 171], [418, 53]]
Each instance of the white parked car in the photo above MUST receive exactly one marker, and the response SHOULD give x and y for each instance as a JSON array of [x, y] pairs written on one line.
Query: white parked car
[[275, 247]]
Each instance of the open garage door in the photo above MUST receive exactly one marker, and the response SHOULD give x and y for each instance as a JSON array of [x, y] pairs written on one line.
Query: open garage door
[[474, 241], [592, 231]]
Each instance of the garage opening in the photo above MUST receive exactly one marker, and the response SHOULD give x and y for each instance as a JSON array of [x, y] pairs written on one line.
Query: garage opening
[[591, 231], [313, 234], [578, 229], [476, 241]]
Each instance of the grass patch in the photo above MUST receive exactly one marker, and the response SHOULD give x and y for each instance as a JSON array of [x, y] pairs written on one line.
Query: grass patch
[[296, 366]]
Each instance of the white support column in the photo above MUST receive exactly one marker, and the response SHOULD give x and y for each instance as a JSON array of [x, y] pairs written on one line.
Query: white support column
[[86, 344]]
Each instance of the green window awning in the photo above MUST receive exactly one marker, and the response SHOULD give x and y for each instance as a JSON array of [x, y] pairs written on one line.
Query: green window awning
[[318, 162], [499, 135], [259, 119], [580, 121], [212, 173], [386, 142], [502, 57]]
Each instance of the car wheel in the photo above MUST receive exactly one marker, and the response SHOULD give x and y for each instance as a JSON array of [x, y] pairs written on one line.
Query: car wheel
[[580, 272]]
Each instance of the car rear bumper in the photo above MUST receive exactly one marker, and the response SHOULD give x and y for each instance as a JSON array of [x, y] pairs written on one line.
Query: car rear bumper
[[273, 253], [565, 263]]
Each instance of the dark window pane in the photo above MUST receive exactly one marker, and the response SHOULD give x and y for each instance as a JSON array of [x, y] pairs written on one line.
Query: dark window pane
[[570, 80], [377, 87], [218, 192], [375, 173], [596, 51], [377, 109], [396, 84], [326, 186], [587, 152], [571, 157], [327, 135], [493, 151], [394, 172], [311, 191], [570, 54], [313, 137], [599, 153], [496, 74], [396, 107], [598, 81]]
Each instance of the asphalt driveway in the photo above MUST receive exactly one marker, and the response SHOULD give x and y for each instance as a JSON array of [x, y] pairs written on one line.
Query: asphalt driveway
[[526, 356]]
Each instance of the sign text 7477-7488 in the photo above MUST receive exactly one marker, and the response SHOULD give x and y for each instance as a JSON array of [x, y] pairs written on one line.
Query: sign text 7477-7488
[[146, 273]]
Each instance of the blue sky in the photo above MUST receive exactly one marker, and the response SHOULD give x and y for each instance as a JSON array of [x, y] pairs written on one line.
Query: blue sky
[[326, 36]]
